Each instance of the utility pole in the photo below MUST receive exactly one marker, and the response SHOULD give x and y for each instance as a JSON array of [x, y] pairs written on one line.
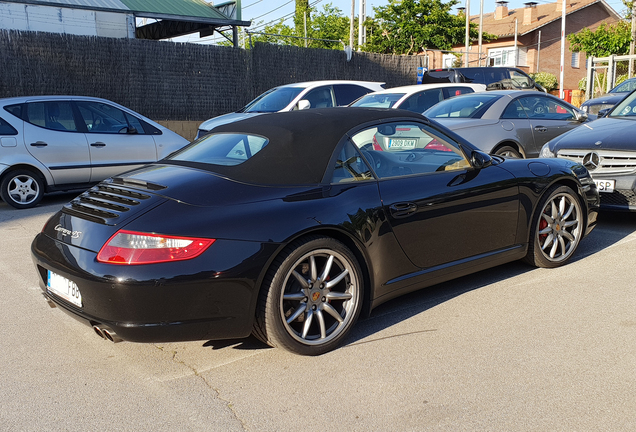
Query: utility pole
[[561, 92], [362, 16], [353, 16], [481, 25], [467, 32], [631, 43]]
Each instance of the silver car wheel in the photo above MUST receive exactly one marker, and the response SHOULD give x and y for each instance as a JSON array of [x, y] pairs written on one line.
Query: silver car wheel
[[22, 189], [560, 227], [320, 296]]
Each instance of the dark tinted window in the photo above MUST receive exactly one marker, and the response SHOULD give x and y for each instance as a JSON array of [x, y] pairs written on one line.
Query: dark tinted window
[[422, 101], [320, 97], [347, 93], [16, 110], [221, 149], [350, 166], [6, 128], [103, 118], [514, 110], [55, 115]]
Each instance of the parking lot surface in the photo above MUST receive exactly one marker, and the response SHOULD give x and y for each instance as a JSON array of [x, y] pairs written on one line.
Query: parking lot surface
[[508, 349]]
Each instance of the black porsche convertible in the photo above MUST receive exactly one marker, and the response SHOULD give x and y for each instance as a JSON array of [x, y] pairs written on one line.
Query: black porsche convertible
[[291, 225]]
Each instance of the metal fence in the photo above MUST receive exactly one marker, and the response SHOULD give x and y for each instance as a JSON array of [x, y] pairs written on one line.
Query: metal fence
[[604, 73]]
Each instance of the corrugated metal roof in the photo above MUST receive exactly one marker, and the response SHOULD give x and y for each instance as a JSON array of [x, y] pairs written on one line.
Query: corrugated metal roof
[[190, 8], [92, 4]]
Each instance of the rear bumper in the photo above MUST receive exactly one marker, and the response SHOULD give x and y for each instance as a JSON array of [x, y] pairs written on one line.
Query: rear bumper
[[160, 302]]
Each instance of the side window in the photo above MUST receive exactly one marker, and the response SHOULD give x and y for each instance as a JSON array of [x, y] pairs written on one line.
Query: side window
[[520, 80], [349, 166], [456, 91], [320, 97], [347, 93], [56, 115], [401, 149], [422, 101], [541, 107], [514, 110], [6, 128], [103, 118]]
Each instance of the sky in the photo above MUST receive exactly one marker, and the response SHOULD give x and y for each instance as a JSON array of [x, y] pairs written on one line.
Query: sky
[[264, 12]]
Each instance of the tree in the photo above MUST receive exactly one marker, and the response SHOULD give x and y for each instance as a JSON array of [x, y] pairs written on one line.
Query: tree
[[329, 25], [411, 26], [604, 41]]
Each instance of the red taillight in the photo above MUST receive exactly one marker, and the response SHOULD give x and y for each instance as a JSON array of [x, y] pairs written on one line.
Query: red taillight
[[131, 248], [436, 145]]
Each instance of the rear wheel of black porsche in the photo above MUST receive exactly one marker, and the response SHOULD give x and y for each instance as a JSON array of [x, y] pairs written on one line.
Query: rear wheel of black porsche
[[310, 298], [557, 228]]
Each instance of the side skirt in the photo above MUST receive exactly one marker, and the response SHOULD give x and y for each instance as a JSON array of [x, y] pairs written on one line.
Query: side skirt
[[445, 272]]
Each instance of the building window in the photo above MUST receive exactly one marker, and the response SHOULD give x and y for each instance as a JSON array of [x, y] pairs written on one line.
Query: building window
[[575, 60], [448, 60], [507, 56]]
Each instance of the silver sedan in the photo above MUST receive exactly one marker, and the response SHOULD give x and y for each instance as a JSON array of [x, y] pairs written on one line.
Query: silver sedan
[[508, 123]]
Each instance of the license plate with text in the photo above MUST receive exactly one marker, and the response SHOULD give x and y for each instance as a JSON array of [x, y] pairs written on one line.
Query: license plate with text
[[402, 143], [62, 287], [605, 186]]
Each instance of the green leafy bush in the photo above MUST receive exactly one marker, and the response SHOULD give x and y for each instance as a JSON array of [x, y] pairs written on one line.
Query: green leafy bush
[[546, 80]]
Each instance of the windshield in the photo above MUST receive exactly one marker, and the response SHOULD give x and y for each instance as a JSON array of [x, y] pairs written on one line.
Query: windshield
[[384, 100], [221, 149], [624, 87], [465, 106], [627, 108], [273, 100]]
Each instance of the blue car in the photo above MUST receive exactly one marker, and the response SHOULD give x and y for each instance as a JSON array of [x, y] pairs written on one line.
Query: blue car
[[608, 100]]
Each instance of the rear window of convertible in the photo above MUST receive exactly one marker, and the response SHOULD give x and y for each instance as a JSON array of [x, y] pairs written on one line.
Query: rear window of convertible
[[225, 149]]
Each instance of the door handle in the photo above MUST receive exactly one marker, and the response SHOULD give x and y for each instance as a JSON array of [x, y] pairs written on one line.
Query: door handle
[[404, 209], [98, 144], [39, 144], [541, 128]]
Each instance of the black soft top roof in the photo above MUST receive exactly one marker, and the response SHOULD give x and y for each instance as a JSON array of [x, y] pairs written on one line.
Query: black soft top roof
[[301, 143]]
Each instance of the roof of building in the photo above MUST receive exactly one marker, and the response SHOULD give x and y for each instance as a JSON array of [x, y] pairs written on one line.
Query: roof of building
[[545, 13], [184, 10]]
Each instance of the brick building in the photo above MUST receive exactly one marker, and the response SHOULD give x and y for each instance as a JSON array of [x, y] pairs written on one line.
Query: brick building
[[538, 30]]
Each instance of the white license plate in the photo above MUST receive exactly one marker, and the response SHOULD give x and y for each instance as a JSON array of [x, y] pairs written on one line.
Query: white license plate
[[402, 143], [605, 186], [64, 288]]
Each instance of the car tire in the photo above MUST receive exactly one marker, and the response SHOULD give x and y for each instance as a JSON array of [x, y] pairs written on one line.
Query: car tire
[[557, 228], [22, 188], [509, 152], [310, 298]]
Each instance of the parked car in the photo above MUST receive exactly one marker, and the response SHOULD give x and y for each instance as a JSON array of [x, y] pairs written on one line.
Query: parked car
[[606, 147], [299, 96], [286, 226], [608, 100], [52, 143], [495, 78], [415, 98], [508, 123]]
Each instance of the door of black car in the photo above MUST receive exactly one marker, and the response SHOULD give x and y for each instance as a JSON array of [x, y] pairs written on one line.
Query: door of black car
[[441, 209]]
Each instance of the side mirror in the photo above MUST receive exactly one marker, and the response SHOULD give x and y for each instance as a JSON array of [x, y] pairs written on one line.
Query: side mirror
[[304, 104], [602, 113], [480, 160], [581, 116]]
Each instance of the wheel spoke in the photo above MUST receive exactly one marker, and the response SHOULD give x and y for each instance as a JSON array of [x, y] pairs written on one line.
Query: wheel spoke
[[570, 223], [301, 279], [313, 270], [548, 241], [337, 279], [569, 212], [555, 211], [297, 313], [553, 251], [562, 205], [339, 296], [546, 230], [548, 219], [568, 236], [308, 319], [321, 323], [331, 311], [327, 269], [562, 244], [297, 296]]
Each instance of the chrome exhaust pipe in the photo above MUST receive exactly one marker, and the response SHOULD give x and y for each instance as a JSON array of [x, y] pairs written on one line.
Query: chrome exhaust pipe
[[111, 335], [106, 333]]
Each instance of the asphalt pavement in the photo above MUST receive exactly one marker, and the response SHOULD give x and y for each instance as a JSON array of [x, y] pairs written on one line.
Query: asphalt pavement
[[512, 348]]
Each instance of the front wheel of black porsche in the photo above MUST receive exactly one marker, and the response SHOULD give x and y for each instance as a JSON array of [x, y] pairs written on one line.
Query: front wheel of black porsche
[[311, 297], [557, 228]]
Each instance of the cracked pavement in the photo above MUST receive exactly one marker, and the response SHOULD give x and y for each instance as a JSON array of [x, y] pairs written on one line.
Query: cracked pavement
[[507, 349]]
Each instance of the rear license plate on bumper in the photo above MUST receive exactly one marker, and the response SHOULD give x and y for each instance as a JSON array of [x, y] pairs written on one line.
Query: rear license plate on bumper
[[62, 287]]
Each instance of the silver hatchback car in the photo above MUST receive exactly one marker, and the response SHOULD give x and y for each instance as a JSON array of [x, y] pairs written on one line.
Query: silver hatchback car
[[53, 143]]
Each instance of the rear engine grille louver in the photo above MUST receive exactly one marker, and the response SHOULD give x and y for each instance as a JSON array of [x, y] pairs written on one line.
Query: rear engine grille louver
[[104, 204]]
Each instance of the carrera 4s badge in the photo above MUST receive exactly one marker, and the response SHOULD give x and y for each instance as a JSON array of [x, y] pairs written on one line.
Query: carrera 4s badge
[[65, 232]]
